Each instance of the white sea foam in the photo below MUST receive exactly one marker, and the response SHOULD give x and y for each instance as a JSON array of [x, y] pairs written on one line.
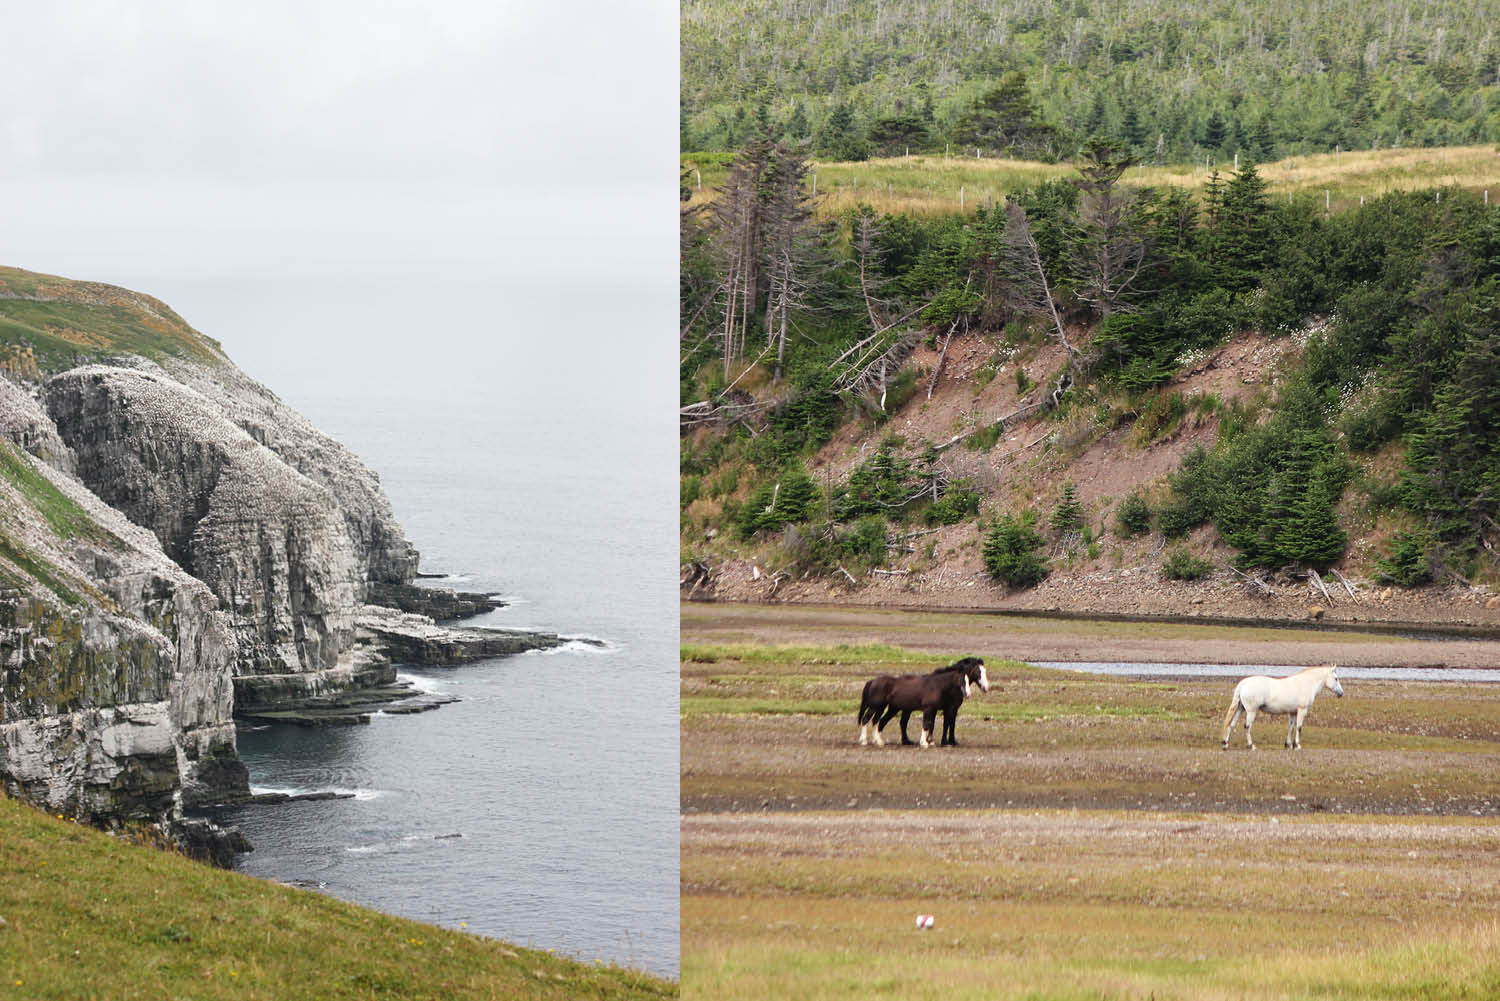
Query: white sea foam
[[256, 790], [579, 644], [425, 684]]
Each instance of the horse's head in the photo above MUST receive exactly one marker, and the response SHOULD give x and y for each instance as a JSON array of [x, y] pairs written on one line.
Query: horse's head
[[1331, 682], [972, 668]]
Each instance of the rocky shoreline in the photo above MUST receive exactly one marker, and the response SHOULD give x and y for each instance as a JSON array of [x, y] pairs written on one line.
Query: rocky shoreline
[[1127, 594]]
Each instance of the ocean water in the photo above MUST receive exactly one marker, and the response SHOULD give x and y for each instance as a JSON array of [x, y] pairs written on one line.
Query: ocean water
[[524, 436]]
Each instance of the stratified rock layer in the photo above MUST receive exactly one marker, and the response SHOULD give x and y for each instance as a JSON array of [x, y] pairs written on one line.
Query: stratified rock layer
[[271, 543]]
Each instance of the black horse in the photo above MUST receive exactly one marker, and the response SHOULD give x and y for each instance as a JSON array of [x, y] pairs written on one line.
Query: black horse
[[944, 689]]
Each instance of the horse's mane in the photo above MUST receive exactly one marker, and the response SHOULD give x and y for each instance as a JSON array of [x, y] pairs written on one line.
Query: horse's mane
[[1320, 667], [962, 665]]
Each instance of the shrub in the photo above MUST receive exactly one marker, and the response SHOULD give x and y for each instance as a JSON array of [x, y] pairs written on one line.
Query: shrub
[[958, 503], [1133, 516], [1415, 559], [1183, 565], [1160, 418], [689, 490], [866, 541], [1372, 422], [985, 438], [777, 503], [1010, 552]]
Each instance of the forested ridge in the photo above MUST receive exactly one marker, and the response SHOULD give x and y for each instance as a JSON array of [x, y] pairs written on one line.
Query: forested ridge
[[1171, 82], [1097, 301]]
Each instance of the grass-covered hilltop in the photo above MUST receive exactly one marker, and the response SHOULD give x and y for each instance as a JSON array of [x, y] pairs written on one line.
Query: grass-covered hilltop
[[1172, 82], [1096, 386]]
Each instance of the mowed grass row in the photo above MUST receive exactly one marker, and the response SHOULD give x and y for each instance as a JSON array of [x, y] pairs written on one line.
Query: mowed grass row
[[933, 185], [88, 916], [1102, 845], [1088, 905]]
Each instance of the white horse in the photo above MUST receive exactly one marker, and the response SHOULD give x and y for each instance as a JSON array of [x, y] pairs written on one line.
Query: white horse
[[1293, 696]]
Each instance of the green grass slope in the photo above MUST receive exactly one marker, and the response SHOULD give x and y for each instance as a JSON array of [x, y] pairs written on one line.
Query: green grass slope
[[88, 916], [66, 322]]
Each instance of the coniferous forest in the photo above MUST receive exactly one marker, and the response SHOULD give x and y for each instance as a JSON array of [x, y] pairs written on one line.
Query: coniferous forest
[[1172, 83]]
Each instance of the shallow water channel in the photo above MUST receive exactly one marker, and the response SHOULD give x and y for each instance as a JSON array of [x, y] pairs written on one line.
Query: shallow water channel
[[1162, 670]]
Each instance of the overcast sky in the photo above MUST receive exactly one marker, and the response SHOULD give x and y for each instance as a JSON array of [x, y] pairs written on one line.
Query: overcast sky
[[333, 138]]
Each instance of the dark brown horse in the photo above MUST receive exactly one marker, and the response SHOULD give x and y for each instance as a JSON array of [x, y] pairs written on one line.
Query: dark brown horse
[[944, 689]]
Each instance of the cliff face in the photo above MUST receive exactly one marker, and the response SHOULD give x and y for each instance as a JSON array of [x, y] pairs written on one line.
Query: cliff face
[[115, 691], [270, 543]]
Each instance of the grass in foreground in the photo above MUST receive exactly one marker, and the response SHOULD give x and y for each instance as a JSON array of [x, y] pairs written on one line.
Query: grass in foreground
[[90, 917]]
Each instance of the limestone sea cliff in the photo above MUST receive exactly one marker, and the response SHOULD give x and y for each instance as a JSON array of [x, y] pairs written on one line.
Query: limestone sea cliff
[[177, 545]]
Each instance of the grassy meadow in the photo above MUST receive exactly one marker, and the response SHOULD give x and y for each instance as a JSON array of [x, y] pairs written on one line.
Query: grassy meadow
[[87, 916], [932, 185], [1088, 839]]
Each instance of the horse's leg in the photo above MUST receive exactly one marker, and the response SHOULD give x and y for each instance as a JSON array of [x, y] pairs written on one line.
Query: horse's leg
[[885, 718], [950, 727], [1249, 722], [1301, 715], [928, 717], [1235, 709], [1291, 728], [905, 716]]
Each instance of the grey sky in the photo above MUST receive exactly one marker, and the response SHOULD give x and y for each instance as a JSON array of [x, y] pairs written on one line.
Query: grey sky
[[338, 137]]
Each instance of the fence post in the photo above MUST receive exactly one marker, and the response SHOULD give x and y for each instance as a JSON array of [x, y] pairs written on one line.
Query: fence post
[[960, 197], [700, 178]]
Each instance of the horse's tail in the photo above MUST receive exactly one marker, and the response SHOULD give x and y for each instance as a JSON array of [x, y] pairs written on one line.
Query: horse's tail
[[864, 705], [1234, 707]]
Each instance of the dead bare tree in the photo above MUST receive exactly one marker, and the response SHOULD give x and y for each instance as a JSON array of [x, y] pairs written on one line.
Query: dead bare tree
[[1032, 290], [797, 260], [1111, 249], [739, 237]]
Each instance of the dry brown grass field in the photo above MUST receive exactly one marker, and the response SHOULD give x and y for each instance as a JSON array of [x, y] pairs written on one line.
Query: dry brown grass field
[[935, 185], [1089, 838]]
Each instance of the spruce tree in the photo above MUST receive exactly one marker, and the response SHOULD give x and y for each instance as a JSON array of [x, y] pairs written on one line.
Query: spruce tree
[[1215, 131], [1068, 516]]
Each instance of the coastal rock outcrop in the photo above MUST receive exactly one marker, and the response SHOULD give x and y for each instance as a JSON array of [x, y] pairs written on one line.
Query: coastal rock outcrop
[[269, 542], [379, 546]]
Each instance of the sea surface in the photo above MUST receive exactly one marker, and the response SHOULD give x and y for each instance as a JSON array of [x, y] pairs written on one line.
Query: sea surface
[[525, 438]]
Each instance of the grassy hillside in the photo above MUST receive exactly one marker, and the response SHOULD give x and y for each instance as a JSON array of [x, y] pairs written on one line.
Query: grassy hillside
[[1177, 82], [88, 916], [51, 323], [931, 185], [1106, 367]]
